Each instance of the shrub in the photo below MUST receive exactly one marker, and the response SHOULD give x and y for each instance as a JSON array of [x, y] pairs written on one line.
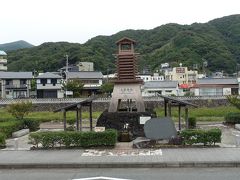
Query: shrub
[[10, 126], [74, 138], [196, 136], [32, 125], [232, 118], [2, 139], [19, 109], [192, 122]]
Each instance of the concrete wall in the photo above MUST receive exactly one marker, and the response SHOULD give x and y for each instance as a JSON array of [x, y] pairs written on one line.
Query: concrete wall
[[101, 106]]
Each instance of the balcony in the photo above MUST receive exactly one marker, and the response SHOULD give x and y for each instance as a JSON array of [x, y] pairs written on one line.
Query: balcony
[[16, 86], [3, 61]]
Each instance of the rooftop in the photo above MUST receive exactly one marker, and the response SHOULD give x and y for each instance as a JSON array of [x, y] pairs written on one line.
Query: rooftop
[[161, 84], [85, 75], [15, 75], [49, 75], [217, 81]]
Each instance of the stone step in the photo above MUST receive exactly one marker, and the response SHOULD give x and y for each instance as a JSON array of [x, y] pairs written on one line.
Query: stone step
[[20, 133], [237, 126]]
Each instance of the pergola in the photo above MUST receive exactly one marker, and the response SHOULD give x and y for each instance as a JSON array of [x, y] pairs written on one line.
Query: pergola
[[170, 101], [78, 108]]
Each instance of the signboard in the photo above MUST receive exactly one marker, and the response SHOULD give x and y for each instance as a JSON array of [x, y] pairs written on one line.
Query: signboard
[[69, 93], [99, 129], [144, 119], [180, 70]]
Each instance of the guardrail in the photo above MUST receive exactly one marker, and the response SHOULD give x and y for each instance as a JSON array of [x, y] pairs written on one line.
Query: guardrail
[[101, 99]]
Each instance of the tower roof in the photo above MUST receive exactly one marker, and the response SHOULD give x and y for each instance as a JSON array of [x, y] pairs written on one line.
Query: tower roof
[[125, 39]]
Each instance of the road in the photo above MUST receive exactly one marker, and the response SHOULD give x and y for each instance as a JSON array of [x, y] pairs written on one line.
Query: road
[[131, 173]]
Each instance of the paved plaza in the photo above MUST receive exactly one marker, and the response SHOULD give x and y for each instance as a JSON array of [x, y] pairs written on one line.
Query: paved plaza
[[17, 154]]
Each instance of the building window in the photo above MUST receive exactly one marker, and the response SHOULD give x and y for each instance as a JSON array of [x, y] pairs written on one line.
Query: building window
[[8, 81], [23, 81], [43, 81], [54, 82]]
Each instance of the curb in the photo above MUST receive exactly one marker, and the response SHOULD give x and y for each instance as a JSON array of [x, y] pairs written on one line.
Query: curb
[[121, 165]]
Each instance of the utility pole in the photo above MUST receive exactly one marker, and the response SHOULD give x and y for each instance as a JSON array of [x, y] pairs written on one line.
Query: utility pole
[[66, 72]]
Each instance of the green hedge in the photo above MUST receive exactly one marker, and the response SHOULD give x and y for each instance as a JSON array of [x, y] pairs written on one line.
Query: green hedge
[[232, 118], [74, 138], [205, 137], [9, 127], [2, 140], [32, 125], [192, 122]]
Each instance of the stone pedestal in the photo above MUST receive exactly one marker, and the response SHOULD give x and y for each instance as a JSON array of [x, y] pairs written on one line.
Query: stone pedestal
[[129, 92]]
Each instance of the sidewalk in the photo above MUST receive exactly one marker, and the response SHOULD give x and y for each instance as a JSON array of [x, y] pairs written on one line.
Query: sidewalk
[[185, 157], [17, 155]]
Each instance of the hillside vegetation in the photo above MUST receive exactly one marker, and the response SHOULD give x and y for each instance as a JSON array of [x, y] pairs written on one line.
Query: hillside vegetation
[[15, 45], [217, 42]]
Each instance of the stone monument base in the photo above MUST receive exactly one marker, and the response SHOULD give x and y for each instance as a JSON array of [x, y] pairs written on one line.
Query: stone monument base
[[118, 121], [128, 91]]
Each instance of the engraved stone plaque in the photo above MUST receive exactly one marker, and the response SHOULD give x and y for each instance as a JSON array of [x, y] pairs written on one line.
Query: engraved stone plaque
[[160, 128]]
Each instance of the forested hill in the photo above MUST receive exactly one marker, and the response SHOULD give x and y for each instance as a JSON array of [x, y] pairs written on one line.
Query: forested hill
[[15, 45], [217, 42]]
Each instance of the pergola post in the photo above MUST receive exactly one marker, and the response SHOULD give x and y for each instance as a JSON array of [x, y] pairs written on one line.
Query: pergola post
[[80, 117], [77, 118], [90, 116], [186, 117], [179, 117], [169, 109], [64, 119], [165, 107]]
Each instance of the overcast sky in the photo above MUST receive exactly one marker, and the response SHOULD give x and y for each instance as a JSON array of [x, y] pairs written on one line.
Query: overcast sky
[[38, 21]]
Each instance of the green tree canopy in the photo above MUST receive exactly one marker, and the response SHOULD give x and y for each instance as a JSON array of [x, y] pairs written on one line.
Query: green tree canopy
[[75, 86], [107, 88]]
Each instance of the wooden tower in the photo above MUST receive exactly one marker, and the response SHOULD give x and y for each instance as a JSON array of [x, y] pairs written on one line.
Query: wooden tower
[[127, 86]]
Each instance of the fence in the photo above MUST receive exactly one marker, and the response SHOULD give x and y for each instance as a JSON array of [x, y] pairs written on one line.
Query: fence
[[74, 100]]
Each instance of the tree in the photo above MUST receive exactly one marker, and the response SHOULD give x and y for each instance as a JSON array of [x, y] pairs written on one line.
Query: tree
[[33, 84], [75, 86], [234, 100], [107, 88], [19, 109]]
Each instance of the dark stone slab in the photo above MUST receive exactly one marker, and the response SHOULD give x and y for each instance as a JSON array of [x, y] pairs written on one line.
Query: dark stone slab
[[160, 128], [117, 120]]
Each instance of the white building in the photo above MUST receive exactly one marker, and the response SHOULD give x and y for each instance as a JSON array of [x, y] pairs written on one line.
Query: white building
[[92, 81], [182, 75], [154, 77], [3, 61], [85, 66], [216, 87], [49, 86], [15, 84], [154, 88]]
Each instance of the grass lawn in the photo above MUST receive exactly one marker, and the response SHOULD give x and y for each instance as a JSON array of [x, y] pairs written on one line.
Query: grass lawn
[[202, 114], [47, 116]]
